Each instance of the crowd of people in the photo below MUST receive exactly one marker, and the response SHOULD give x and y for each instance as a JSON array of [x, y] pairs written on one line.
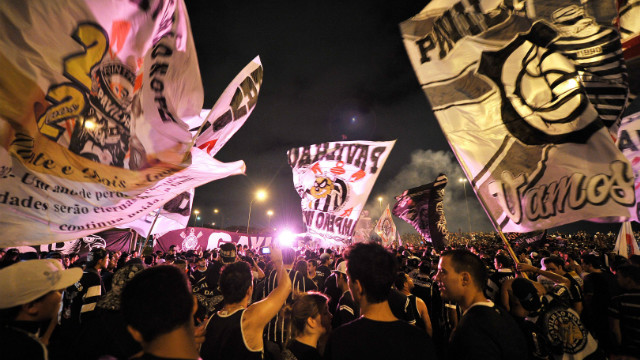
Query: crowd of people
[[564, 298]]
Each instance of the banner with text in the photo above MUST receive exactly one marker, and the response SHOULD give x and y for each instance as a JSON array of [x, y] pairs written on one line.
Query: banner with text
[[529, 98], [195, 238], [629, 143], [334, 180]]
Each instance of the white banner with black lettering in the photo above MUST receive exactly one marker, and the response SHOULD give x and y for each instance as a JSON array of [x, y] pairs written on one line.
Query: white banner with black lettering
[[334, 180], [529, 98]]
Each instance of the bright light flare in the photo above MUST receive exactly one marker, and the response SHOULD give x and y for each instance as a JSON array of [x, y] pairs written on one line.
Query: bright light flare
[[286, 238]]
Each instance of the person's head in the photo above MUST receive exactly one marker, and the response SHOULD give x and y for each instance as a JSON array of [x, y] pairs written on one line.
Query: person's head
[[202, 263], [342, 280], [111, 301], [182, 265], [403, 282], [325, 259], [32, 290], [156, 301], [527, 294], [301, 267], [228, 253], [172, 250], [554, 264], [628, 276], [312, 265], [502, 261], [310, 315], [288, 255], [372, 270], [460, 273], [98, 258], [236, 282], [149, 260], [591, 262]]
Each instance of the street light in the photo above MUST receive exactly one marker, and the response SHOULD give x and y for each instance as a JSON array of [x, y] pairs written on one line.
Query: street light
[[260, 195], [196, 212], [270, 214], [464, 186], [380, 202], [215, 213]]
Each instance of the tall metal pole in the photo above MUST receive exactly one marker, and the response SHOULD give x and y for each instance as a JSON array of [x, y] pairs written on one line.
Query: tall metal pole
[[249, 220], [464, 186]]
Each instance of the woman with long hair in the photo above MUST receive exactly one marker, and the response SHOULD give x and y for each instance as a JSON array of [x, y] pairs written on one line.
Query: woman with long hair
[[309, 321]]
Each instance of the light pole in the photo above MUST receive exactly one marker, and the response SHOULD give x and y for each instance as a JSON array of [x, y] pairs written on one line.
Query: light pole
[[380, 202], [215, 214], [260, 195], [464, 186], [270, 214], [196, 212]]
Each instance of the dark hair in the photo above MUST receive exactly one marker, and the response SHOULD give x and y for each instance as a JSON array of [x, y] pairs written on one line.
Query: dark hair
[[593, 260], [156, 301], [374, 267], [634, 259], [305, 306], [288, 255], [313, 263], [96, 255], [148, 260], [466, 261], [401, 279], [630, 271], [503, 260], [556, 260], [235, 280], [301, 267]]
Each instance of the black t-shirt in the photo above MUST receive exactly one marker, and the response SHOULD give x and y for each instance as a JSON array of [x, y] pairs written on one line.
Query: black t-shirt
[[299, 351], [18, 341], [487, 333], [369, 339]]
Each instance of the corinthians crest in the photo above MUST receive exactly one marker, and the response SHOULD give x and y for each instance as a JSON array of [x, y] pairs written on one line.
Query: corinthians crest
[[190, 241], [329, 190]]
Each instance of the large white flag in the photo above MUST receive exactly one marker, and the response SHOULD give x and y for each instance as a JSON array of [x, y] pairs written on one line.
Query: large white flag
[[529, 98], [334, 180], [629, 143], [626, 244], [385, 228], [95, 103]]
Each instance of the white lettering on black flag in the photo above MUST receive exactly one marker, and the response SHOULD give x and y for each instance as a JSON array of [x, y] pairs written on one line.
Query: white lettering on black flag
[[334, 180], [529, 99]]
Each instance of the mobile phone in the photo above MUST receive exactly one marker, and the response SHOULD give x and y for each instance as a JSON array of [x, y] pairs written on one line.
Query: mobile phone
[[265, 250]]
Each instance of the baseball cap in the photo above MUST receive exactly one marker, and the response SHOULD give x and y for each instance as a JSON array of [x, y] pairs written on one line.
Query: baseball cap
[[527, 293], [342, 268], [228, 252], [26, 281]]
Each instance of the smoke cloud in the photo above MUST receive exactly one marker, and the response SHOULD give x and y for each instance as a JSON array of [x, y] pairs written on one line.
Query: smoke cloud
[[425, 165]]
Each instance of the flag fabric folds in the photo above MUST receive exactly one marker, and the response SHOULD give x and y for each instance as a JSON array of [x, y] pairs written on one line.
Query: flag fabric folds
[[629, 143], [423, 208], [626, 244], [96, 106], [173, 215], [333, 180], [385, 228], [529, 98]]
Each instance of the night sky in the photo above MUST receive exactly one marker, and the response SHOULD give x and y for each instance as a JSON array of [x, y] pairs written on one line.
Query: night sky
[[325, 63]]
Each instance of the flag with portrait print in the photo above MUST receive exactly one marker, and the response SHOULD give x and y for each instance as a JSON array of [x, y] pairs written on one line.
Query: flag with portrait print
[[529, 95], [385, 228], [333, 180], [96, 106]]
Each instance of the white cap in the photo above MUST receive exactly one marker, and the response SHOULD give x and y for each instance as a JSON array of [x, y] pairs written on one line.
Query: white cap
[[342, 268], [26, 281]]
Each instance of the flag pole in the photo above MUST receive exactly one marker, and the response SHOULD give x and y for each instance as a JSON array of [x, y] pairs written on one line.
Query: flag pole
[[146, 240]]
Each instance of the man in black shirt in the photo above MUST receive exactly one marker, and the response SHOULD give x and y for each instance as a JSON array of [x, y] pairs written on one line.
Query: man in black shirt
[[485, 331], [323, 271], [377, 334]]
